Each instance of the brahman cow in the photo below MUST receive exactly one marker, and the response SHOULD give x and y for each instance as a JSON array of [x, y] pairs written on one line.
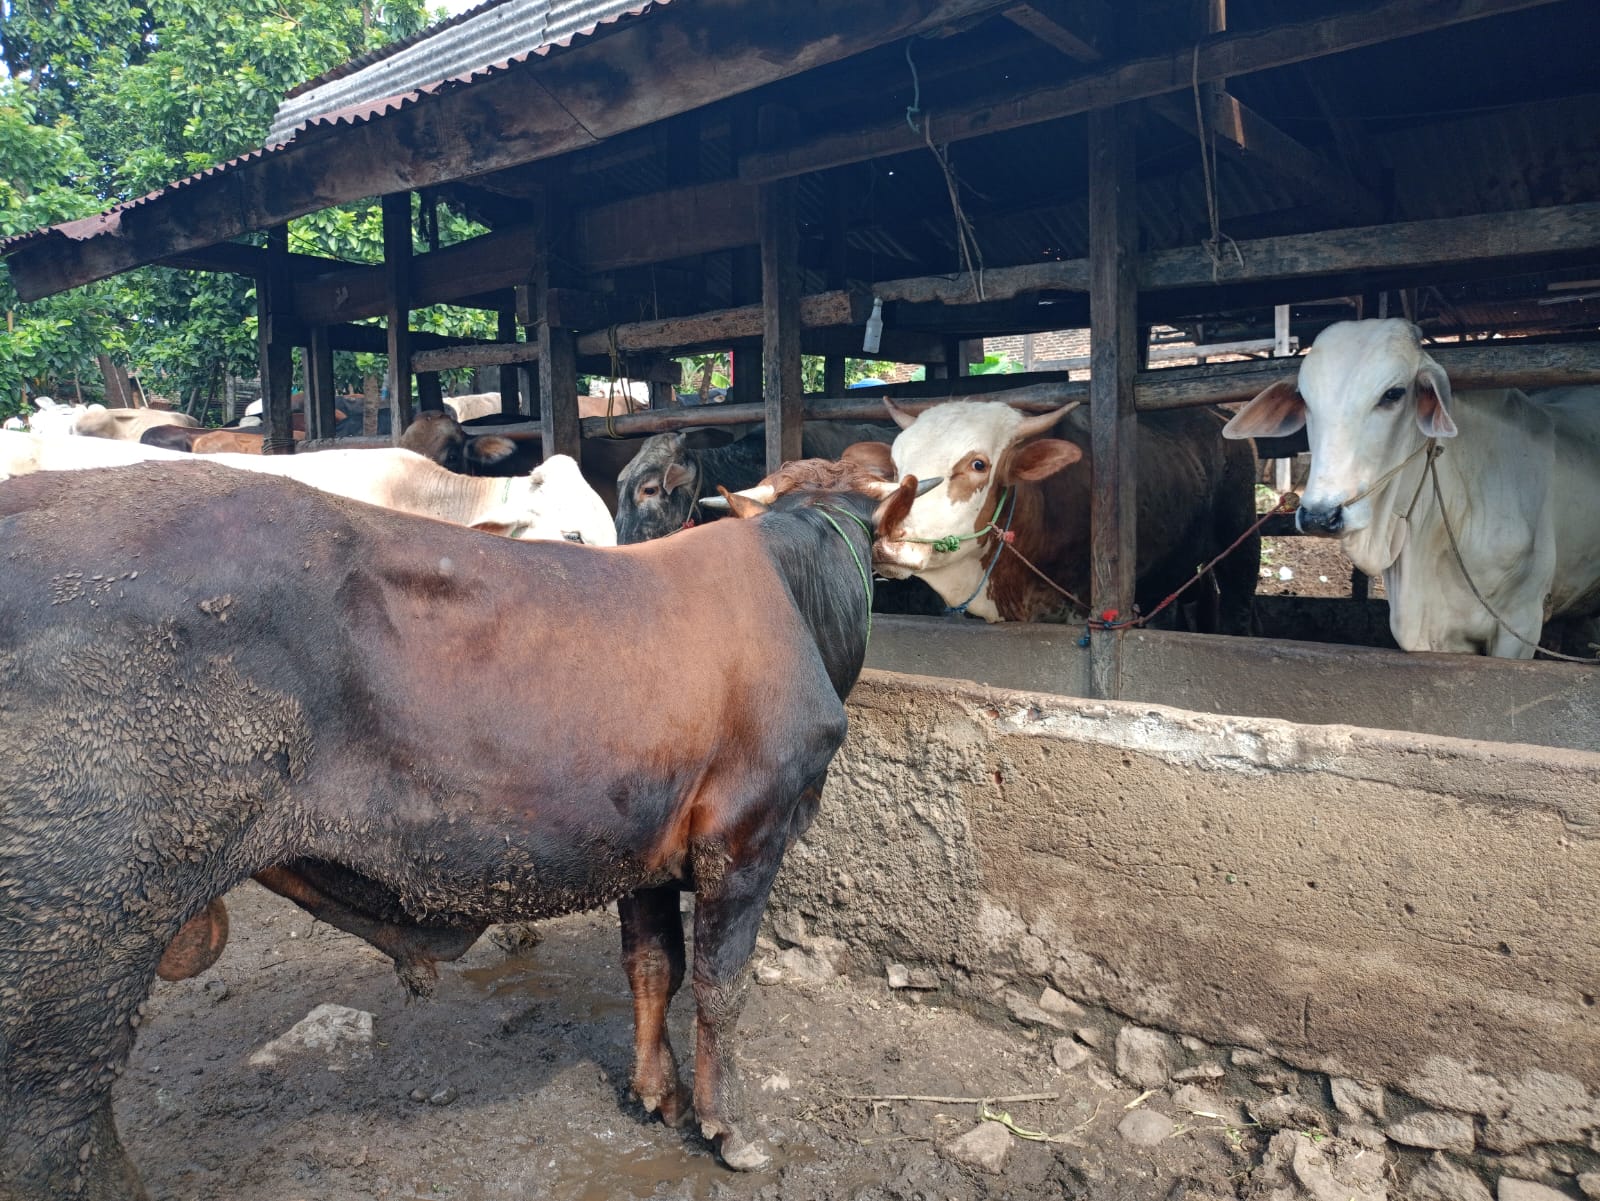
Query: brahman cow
[[1518, 480], [658, 490], [127, 424], [1196, 495], [244, 676], [552, 502]]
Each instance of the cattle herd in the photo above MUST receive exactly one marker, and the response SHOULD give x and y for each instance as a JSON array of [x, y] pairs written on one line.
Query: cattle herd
[[216, 667]]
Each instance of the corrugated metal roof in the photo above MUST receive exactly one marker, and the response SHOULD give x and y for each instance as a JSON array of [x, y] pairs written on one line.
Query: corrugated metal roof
[[490, 33], [356, 113]]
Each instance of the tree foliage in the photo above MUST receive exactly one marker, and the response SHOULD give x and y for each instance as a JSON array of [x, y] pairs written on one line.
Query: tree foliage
[[110, 99]]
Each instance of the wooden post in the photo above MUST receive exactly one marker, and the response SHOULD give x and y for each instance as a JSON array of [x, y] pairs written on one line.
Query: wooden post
[[320, 420], [558, 353], [430, 392], [780, 325], [838, 230], [277, 352], [397, 272], [1113, 353], [510, 402]]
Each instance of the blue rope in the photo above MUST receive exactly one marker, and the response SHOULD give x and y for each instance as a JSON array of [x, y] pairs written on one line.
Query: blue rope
[[989, 570]]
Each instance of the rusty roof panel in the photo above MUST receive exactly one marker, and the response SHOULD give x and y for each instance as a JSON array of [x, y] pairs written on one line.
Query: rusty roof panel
[[490, 34]]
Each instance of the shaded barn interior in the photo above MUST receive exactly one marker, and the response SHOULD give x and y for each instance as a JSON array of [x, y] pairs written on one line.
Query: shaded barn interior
[[670, 177]]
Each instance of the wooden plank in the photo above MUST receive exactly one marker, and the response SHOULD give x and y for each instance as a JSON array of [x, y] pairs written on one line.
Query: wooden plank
[[1218, 58], [488, 354], [1484, 239], [430, 392], [320, 386], [397, 313], [999, 283], [628, 76], [506, 332], [1113, 346], [677, 223], [1504, 363], [273, 301], [1078, 33], [780, 326], [722, 326]]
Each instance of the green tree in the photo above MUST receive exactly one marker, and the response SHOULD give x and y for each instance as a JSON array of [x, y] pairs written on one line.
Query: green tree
[[112, 99]]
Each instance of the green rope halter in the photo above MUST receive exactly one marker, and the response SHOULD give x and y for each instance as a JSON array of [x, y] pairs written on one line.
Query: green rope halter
[[952, 542], [866, 578]]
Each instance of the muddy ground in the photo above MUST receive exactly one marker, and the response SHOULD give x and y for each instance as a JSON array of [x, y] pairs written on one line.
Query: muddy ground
[[536, 1045]]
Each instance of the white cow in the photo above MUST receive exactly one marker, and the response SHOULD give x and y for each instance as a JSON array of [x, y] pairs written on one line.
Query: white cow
[[1519, 478], [553, 503], [52, 417]]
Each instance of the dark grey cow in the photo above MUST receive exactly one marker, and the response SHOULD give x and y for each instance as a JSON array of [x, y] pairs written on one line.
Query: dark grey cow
[[658, 490]]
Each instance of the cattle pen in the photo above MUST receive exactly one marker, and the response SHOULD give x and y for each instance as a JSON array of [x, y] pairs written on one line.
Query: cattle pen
[[1366, 875]]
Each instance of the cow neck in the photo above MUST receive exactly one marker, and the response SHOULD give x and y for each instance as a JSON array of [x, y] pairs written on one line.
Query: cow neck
[[1014, 591], [821, 562], [1400, 503]]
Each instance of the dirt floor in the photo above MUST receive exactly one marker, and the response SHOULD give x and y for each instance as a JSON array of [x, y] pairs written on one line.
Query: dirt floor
[[526, 1058]]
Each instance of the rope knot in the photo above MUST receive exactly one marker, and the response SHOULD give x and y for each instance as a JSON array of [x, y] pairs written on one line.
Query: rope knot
[[949, 543], [1009, 537]]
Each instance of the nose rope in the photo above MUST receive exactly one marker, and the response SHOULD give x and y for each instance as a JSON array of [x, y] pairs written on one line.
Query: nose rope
[[952, 542]]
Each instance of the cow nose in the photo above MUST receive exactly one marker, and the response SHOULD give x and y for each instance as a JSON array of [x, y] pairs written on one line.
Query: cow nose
[[1309, 519]]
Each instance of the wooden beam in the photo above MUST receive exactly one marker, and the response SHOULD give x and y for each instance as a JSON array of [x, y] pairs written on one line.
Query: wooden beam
[[630, 75], [674, 224], [723, 326], [320, 387], [430, 392], [273, 310], [1079, 32], [506, 332], [1219, 58], [489, 354], [780, 325], [558, 366], [1114, 349], [397, 313], [1245, 135]]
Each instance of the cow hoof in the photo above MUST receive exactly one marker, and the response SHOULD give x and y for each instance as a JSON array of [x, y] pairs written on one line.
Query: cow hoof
[[742, 1154], [674, 1107], [197, 945]]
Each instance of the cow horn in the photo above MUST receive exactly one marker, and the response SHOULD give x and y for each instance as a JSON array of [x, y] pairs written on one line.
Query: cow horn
[[763, 494], [715, 503], [929, 484], [1044, 422], [901, 418]]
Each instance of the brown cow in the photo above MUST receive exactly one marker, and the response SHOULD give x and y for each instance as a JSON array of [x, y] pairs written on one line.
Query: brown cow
[[307, 663]]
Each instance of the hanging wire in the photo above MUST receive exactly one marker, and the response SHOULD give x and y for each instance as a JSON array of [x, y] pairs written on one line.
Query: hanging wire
[[967, 247], [1208, 163]]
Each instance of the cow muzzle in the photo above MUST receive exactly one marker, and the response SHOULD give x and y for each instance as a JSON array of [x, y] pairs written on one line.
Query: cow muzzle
[[1322, 521], [897, 560]]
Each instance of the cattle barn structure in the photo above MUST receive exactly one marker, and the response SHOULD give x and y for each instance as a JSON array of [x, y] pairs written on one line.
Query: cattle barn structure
[[669, 177]]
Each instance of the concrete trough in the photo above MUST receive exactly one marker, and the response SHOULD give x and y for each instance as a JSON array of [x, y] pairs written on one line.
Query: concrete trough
[[1416, 912]]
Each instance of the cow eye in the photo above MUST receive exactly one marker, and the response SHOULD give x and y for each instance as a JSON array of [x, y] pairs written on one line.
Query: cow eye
[[571, 536], [650, 490], [979, 465], [1392, 396]]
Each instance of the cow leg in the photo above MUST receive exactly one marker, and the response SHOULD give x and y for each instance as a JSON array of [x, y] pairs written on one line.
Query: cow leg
[[416, 950], [652, 955], [731, 890]]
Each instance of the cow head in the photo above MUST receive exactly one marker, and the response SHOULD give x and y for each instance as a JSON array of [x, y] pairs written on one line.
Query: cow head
[[1368, 396], [657, 490], [979, 448], [436, 435], [552, 504]]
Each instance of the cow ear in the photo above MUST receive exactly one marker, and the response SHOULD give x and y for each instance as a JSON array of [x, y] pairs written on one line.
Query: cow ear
[[490, 448], [743, 506], [1276, 412], [876, 457], [1434, 401], [893, 510], [1039, 459], [675, 476]]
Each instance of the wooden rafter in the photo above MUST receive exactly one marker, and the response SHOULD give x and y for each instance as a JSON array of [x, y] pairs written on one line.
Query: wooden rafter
[[1217, 58]]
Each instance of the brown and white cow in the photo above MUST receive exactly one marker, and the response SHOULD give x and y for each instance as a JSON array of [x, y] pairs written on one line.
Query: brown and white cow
[[1196, 495]]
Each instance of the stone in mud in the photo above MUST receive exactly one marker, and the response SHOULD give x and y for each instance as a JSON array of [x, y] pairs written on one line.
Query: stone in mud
[[984, 1146], [336, 1032], [1145, 1057]]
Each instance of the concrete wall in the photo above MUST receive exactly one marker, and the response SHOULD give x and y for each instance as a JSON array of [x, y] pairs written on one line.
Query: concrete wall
[[1413, 912], [1462, 696]]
